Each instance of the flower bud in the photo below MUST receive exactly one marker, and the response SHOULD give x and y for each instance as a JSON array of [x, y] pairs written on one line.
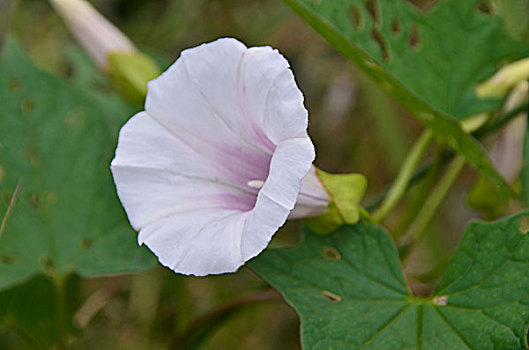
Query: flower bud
[[111, 50], [98, 36], [504, 80], [506, 153]]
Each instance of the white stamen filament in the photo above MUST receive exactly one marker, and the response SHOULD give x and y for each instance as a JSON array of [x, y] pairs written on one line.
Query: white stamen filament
[[256, 184]]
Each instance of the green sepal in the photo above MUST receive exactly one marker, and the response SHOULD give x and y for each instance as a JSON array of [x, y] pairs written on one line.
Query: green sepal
[[345, 192], [130, 72]]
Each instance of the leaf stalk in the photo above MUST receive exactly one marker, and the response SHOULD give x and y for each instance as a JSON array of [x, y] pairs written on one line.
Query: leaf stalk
[[398, 188]]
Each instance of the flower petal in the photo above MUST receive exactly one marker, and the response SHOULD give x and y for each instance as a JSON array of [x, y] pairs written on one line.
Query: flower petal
[[312, 199], [199, 94], [197, 243], [271, 96], [197, 100], [291, 161], [157, 175]]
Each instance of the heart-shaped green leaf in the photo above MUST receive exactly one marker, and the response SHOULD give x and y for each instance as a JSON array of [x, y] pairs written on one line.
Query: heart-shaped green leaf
[[59, 207], [350, 293]]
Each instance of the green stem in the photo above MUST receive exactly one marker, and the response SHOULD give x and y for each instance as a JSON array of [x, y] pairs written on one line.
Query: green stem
[[479, 134], [497, 123], [434, 200], [60, 308], [421, 172], [404, 176], [524, 175], [423, 192]]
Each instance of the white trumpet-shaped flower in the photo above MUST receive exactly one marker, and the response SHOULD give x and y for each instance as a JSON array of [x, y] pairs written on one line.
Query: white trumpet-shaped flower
[[219, 158]]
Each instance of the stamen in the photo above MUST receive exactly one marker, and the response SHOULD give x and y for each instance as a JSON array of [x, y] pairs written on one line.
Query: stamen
[[255, 184]]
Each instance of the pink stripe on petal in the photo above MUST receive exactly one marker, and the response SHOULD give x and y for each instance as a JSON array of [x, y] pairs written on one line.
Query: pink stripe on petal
[[238, 202]]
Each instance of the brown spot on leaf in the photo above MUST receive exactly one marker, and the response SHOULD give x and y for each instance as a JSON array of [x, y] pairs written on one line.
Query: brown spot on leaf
[[414, 40], [373, 10], [379, 38], [356, 17], [424, 5], [486, 7], [14, 85], [331, 254], [34, 200], [27, 106], [396, 26], [86, 243], [524, 225], [47, 263], [8, 260]]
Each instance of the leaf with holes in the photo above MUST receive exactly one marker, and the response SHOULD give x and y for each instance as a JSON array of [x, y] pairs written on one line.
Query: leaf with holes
[[59, 208], [437, 57], [431, 62], [350, 293]]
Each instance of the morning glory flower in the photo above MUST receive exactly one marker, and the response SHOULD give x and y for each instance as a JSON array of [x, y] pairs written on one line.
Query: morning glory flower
[[219, 158]]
